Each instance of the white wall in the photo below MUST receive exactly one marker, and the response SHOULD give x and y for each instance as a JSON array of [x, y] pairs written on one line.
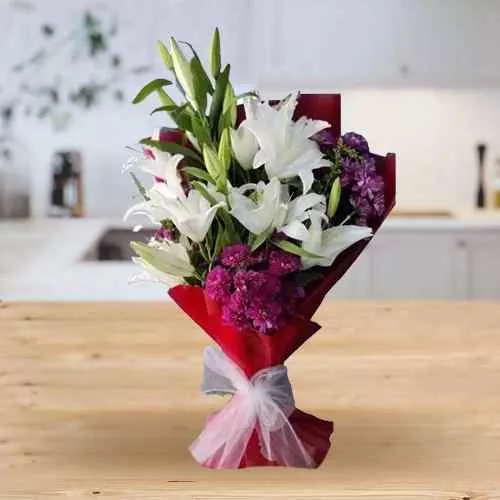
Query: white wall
[[432, 115]]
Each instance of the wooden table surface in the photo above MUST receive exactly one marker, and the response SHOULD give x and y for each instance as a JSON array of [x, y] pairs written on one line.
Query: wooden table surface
[[102, 400]]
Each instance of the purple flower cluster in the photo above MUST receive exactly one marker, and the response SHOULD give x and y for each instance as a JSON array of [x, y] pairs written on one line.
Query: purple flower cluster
[[254, 290], [360, 177], [325, 139], [164, 234], [356, 141]]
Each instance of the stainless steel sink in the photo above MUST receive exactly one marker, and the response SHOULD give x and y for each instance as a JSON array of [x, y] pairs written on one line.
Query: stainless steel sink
[[114, 244]]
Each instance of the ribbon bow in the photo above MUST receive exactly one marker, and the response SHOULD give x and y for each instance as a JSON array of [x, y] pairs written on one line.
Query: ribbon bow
[[262, 403]]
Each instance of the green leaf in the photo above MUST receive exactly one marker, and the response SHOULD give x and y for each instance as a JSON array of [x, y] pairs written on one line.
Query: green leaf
[[199, 72], [218, 99], [182, 117], [166, 109], [230, 233], [251, 93], [199, 85], [165, 99], [182, 71], [260, 239], [203, 191], [219, 240], [229, 111], [213, 164], [161, 260], [333, 201], [200, 131], [165, 56], [198, 173], [215, 59], [149, 88], [204, 253], [140, 186], [172, 148], [290, 247], [225, 150]]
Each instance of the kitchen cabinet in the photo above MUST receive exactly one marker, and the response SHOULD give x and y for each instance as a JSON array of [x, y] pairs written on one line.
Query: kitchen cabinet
[[407, 265], [432, 263], [481, 264]]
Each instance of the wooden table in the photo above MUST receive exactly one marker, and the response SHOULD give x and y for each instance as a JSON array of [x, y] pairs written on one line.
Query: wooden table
[[102, 400]]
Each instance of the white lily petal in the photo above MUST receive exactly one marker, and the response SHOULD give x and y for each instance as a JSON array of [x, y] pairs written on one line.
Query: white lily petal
[[311, 127], [244, 146], [328, 244], [153, 212], [261, 214], [298, 207], [197, 225], [285, 146], [307, 178], [295, 230], [164, 166], [338, 238]]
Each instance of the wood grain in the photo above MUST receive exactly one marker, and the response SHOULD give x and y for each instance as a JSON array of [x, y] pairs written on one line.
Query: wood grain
[[102, 400]]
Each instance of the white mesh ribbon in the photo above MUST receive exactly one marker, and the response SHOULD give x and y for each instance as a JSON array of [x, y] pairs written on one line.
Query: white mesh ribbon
[[262, 403]]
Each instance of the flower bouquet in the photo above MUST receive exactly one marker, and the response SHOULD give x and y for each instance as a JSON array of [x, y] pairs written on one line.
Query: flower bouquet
[[260, 209]]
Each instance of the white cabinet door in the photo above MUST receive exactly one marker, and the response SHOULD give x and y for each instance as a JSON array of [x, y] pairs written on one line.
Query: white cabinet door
[[482, 264], [355, 284], [414, 265]]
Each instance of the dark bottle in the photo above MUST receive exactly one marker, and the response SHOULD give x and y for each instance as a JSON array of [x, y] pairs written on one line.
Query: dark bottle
[[67, 189], [481, 191]]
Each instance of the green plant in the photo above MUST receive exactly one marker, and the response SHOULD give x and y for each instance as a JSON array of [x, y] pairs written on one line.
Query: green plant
[[87, 46]]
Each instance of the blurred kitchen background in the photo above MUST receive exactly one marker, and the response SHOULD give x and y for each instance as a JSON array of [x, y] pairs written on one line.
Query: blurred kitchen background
[[418, 77]]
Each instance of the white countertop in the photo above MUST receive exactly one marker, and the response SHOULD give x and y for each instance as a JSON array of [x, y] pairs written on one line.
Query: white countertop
[[43, 259]]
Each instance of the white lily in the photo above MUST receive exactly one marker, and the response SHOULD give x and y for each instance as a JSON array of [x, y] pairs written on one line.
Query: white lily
[[164, 166], [329, 243], [298, 211], [244, 146], [263, 210], [154, 209], [191, 213], [165, 262], [285, 147]]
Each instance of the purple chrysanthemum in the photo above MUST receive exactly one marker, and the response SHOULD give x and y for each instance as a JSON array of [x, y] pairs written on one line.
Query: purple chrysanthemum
[[219, 284], [281, 263], [234, 312], [257, 284], [238, 255], [356, 141], [253, 289], [266, 316]]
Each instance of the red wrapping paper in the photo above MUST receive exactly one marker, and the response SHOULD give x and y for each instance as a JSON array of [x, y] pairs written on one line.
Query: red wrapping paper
[[252, 351]]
